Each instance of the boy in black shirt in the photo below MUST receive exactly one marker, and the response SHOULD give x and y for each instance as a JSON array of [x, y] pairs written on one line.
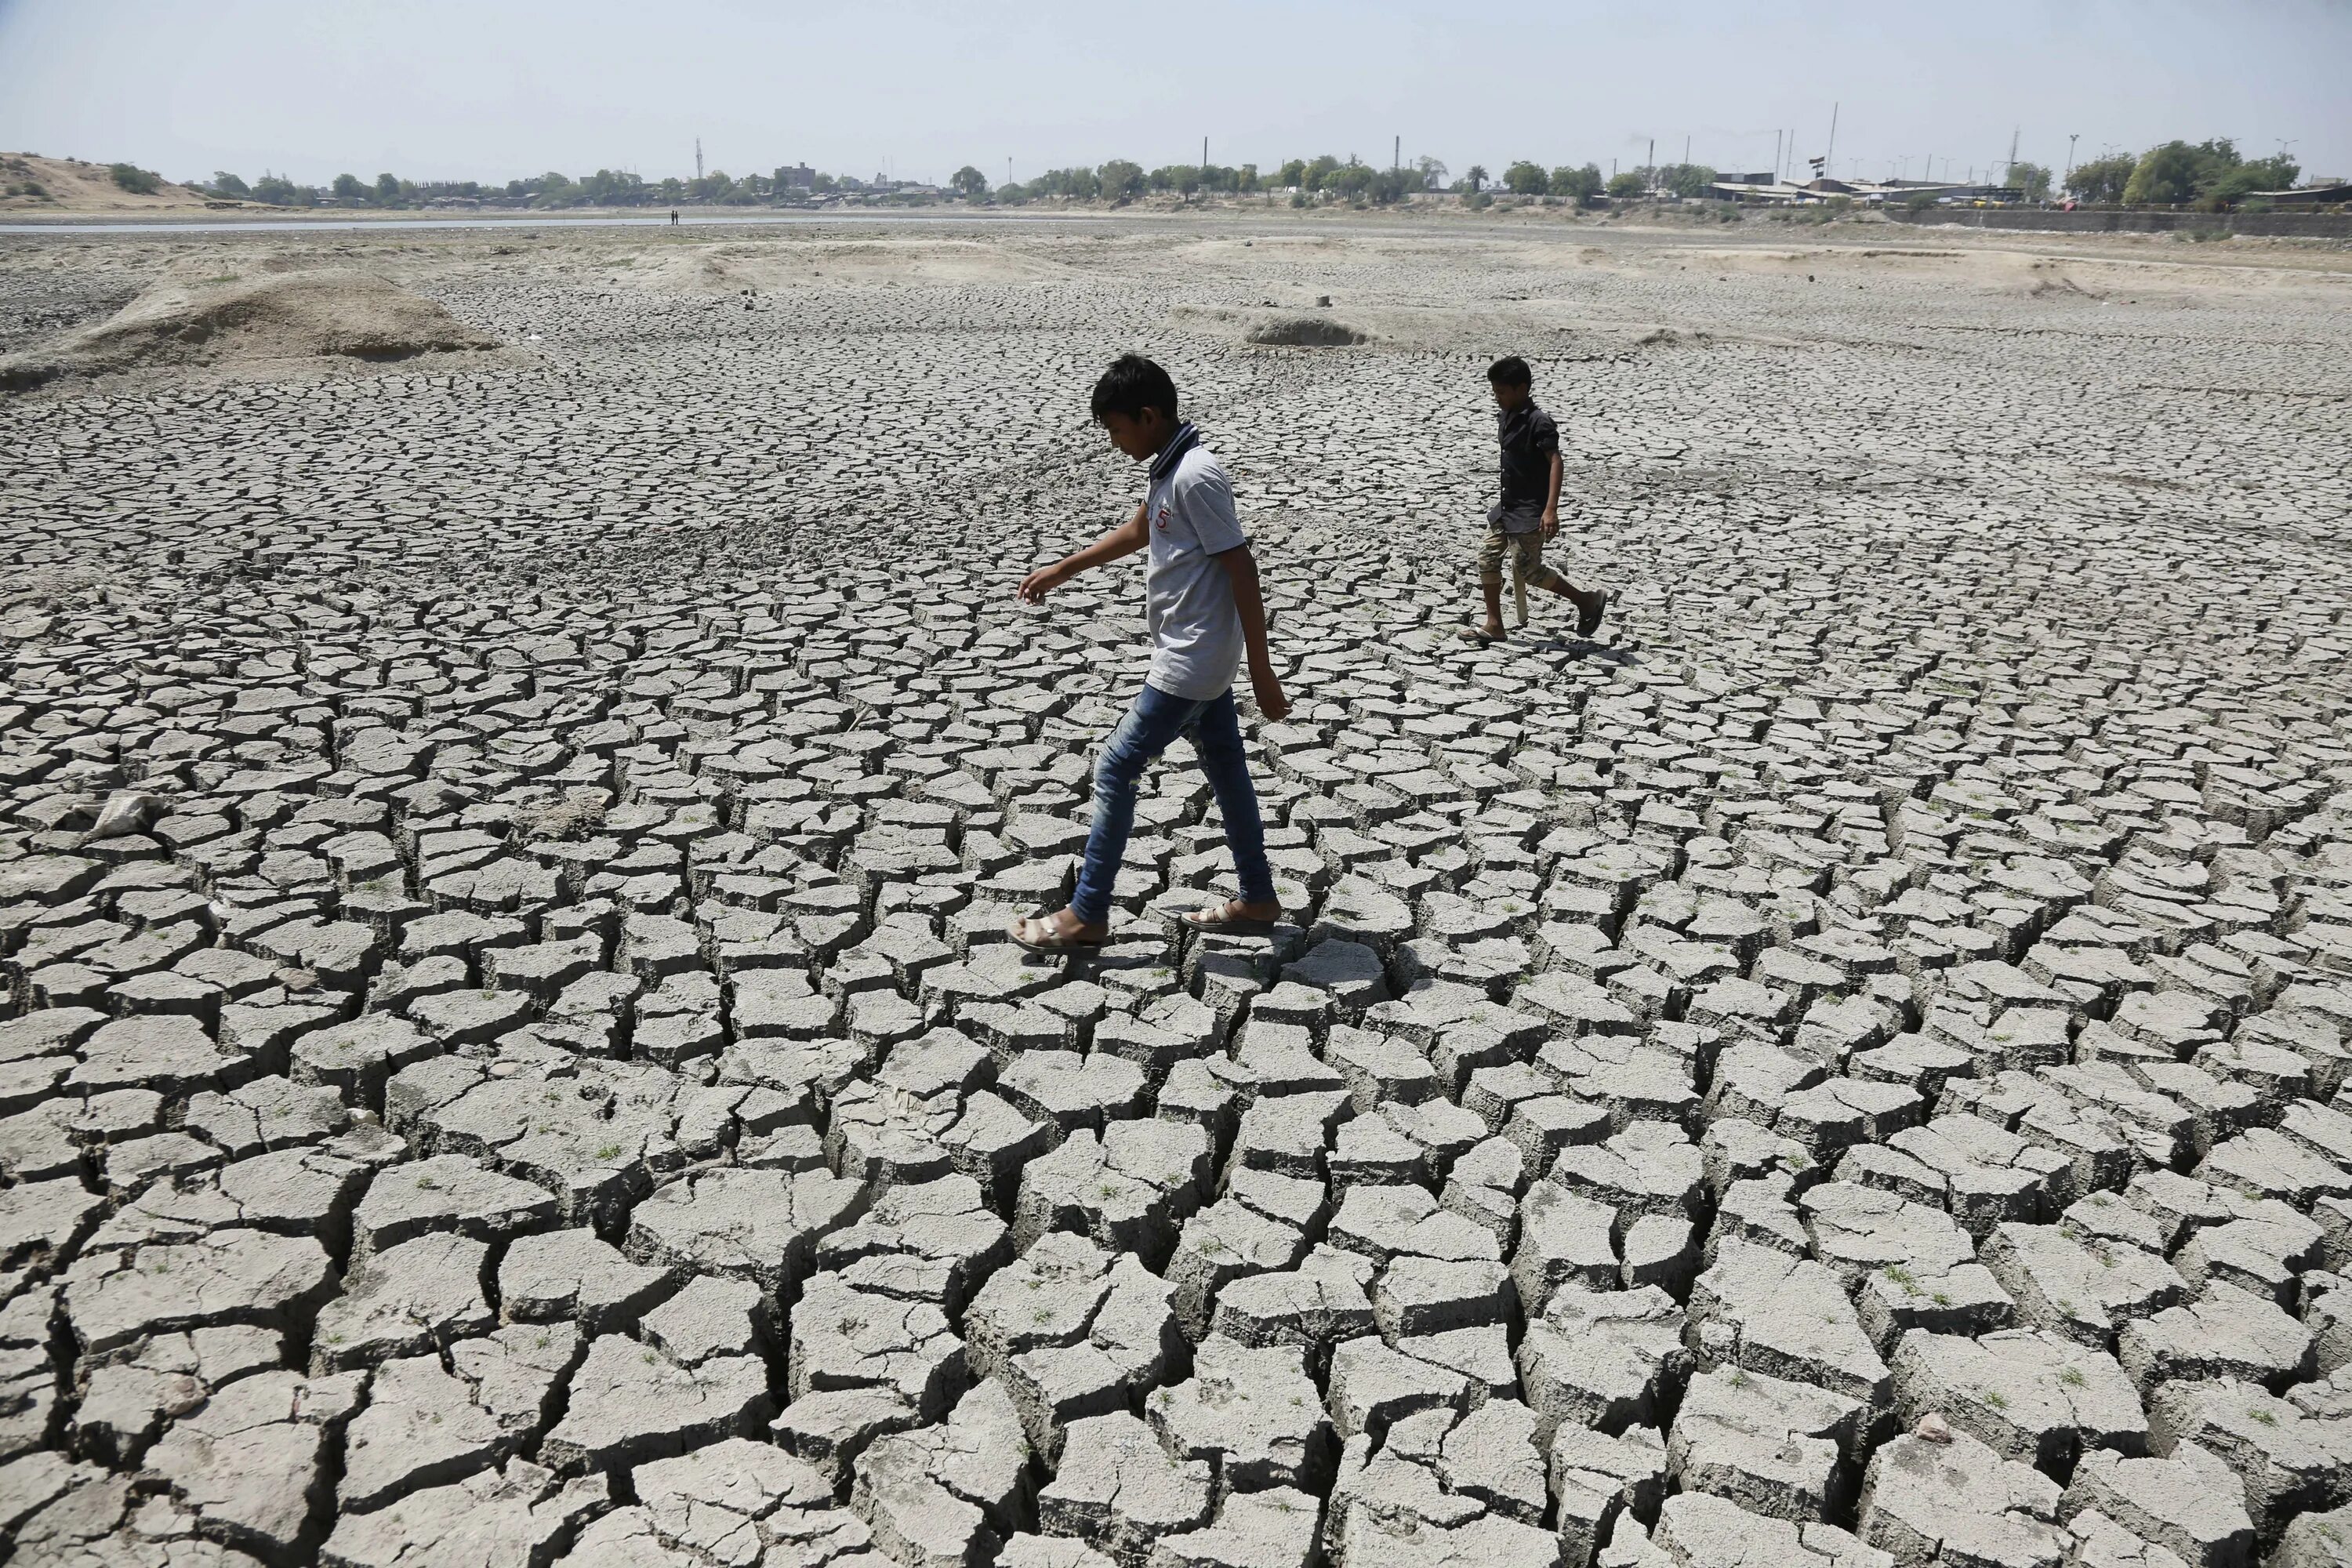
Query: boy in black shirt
[[1528, 511]]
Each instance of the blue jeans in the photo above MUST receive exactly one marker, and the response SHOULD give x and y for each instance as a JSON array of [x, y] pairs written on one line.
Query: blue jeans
[[1156, 718]]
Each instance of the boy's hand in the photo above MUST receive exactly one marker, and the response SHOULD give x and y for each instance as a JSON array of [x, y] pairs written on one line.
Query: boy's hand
[[1038, 584], [1551, 522], [1271, 703]]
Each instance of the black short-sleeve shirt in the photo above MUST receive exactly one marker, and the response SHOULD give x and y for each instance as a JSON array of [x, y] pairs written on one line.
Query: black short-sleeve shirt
[[1528, 440]]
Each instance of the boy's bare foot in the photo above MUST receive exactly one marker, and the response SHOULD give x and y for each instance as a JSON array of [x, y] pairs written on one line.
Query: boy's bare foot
[[1491, 632], [1061, 931], [1592, 604], [1236, 916]]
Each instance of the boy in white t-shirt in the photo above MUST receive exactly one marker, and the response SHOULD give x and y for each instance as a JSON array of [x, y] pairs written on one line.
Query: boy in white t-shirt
[[1201, 599]]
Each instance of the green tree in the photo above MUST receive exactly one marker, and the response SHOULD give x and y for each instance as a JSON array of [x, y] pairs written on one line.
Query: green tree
[[1246, 180], [1432, 173], [554, 190], [139, 182], [227, 185], [2102, 180], [969, 182], [277, 191], [1686, 180], [1319, 172], [1181, 178], [2031, 178], [1476, 179], [1079, 184], [609, 188], [1624, 186], [2276, 173], [1291, 175], [348, 189], [1580, 185], [1525, 179], [1121, 179], [2226, 185], [2169, 174]]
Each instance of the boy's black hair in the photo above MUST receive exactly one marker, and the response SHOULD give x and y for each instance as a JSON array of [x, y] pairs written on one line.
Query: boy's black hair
[[1132, 384], [1510, 371]]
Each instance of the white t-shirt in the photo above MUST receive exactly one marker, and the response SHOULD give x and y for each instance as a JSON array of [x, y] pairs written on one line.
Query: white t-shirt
[[1196, 633]]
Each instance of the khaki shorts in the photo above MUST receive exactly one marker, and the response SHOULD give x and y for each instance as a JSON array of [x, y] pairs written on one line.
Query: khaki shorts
[[1525, 552]]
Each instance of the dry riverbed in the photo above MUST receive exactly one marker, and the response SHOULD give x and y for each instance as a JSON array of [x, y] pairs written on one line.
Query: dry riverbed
[[519, 751]]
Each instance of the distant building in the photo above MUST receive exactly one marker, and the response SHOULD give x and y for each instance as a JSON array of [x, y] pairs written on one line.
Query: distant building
[[796, 177], [2327, 193]]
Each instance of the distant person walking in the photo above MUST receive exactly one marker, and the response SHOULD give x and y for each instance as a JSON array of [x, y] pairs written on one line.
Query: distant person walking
[[673, 217], [1527, 512]]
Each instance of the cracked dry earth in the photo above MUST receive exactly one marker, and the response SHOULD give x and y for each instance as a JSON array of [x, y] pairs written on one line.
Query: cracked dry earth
[[511, 1057]]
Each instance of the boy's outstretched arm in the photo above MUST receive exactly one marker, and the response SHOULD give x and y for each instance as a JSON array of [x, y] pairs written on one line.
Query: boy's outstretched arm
[[1125, 540], [1241, 569]]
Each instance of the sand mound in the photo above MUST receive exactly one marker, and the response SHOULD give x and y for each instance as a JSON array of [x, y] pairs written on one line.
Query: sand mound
[[792, 263], [1304, 332], [280, 320], [30, 183], [2062, 286]]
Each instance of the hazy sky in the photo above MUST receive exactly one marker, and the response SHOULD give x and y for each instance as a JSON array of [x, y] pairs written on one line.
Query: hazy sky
[[494, 88]]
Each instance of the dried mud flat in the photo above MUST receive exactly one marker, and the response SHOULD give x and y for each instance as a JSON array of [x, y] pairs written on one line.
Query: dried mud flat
[[511, 1056]]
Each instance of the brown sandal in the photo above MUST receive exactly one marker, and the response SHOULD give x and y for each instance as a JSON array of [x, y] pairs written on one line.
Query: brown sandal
[[1216, 923], [1054, 943]]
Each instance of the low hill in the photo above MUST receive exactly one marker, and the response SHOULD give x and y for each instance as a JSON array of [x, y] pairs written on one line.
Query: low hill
[[30, 183]]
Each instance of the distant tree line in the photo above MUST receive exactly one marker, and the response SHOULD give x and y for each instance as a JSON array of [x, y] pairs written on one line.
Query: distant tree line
[[604, 188], [1307, 180], [2210, 174]]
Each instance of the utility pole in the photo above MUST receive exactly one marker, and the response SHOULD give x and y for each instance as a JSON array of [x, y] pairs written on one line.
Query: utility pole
[[1776, 157], [1687, 151], [1829, 159], [698, 158], [1204, 160], [2072, 137], [2011, 170], [1396, 155], [1651, 174]]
